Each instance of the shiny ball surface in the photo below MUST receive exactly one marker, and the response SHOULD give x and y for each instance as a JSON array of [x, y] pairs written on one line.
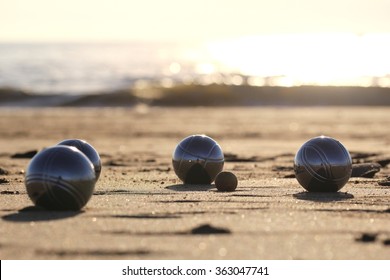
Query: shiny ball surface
[[226, 181], [322, 164], [88, 150], [60, 178], [197, 159]]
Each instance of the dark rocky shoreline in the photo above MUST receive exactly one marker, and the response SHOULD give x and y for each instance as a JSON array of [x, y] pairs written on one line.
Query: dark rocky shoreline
[[209, 95]]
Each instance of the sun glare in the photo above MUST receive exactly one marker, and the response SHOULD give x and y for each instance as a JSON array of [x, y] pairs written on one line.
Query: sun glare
[[306, 59]]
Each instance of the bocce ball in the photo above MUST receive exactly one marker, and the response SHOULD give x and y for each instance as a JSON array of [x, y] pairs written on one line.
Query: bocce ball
[[226, 181], [197, 159], [88, 150], [60, 178], [322, 164]]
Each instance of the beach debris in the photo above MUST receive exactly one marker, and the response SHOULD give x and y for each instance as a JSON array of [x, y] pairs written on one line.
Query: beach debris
[[230, 157], [282, 168], [385, 182], [146, 216], [3, 171], [279, 169], [386, 242], [366, 170], [28, 154], [104, 253], [209, 229], [367, 237], [9, 192], [159, 169], [116, 163], [383, 161], [226, 181], [3, 181], [359, 157]]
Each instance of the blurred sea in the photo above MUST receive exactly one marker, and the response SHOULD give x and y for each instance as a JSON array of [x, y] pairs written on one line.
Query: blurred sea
[[80, 68], [288, 60], [263, 70]]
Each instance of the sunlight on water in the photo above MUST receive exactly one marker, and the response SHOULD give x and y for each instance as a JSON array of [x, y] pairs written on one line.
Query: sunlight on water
[[306, 59], [272, 60]]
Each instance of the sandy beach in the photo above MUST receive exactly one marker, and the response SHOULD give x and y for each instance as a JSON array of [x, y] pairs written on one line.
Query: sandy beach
[[141, 210]]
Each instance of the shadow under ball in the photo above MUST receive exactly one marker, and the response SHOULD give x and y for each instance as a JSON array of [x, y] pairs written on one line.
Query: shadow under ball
[[322, 164], [88, 150], [197, 159], [60, 178]]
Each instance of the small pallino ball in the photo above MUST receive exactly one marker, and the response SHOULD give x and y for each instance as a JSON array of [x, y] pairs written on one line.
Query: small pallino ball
[[322, 164], [197, 159], [88, 150], [60, 178], [226, 181]]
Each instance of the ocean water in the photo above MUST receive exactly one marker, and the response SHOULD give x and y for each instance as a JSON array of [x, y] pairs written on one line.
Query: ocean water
[[283, 60], [79, 68]]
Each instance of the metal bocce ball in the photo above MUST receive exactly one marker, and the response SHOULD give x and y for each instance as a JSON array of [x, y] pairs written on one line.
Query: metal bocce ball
[[198, 159], [87, 150], [60, 178], [322, 164]]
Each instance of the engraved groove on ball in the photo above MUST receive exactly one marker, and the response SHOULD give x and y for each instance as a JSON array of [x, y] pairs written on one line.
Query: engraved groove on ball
[[322, 164], [325, 163], [52, 183], [54, 195], [60, 178]]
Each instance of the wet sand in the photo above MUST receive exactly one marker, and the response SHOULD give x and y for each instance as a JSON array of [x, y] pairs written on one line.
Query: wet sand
[[140, 209]]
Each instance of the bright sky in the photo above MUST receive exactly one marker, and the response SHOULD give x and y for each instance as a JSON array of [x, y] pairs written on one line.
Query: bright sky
[[37, 20], [337, 42]]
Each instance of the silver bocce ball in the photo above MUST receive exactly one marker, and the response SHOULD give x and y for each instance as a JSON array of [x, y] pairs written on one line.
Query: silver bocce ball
[[197, 159], [60, 178], [88, 150], [322, 164]]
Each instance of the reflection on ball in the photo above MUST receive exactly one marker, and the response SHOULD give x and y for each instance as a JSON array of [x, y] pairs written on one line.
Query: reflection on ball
[[322, 164], [226, 181], [60, 178], [87, 150], [197, 159]]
